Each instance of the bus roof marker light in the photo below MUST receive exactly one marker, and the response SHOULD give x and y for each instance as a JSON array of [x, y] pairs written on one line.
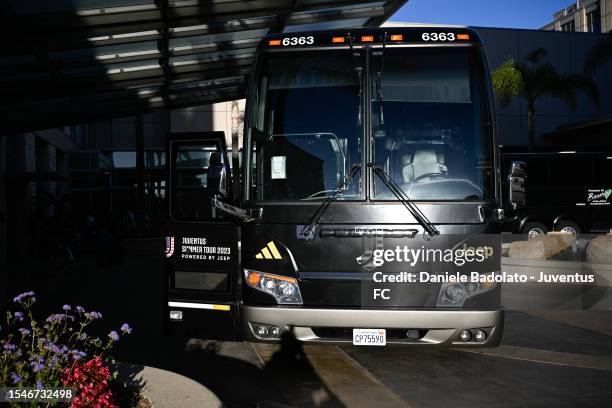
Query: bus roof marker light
[[465, 37], [274, 42], [397, 37], [367, 38], [337, 40]]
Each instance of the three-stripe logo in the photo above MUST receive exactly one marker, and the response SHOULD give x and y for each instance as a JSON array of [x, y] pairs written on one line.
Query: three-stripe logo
[[269, 252]]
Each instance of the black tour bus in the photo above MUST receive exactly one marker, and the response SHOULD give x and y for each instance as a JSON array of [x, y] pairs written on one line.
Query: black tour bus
[[359, 144], [567, 190]]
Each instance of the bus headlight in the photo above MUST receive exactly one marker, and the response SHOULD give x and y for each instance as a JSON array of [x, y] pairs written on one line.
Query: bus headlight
[[284, 289], [455, 294]]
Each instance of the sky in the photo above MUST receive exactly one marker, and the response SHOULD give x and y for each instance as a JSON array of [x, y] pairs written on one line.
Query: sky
[[481, 13]]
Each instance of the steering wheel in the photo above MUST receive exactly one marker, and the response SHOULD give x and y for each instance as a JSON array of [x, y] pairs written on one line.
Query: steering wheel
[[422, 176]]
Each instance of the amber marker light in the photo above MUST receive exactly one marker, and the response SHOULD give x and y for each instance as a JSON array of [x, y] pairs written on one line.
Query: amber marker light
[[337, 40], [397, 37], [367, 38], [274, 42], [463, 36], [253, 278]]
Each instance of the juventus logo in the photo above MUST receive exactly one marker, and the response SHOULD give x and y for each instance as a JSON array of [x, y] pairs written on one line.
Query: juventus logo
[[169, 246]]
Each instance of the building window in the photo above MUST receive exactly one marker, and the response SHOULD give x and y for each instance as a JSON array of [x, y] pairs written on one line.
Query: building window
[[570, 26], [593, 23]]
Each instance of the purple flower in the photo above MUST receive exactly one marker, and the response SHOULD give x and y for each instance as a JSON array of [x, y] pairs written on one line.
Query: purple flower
[[16, 378], [36, 358], [80, 309], [125, 328], [77, 354], [94, 315], [83, 337], [24, 296], [113, 335], [10, 347], [36, 367], [52, 347], [58, 317], [53, 362], [24, 332], [19, 316], [66, 307], [40, 385]]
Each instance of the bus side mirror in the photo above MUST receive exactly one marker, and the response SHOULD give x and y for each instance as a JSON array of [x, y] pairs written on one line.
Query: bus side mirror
[[216, 179], [517, 181]]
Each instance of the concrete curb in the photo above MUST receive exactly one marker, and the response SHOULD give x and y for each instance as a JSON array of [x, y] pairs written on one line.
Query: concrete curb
[[166, 389]]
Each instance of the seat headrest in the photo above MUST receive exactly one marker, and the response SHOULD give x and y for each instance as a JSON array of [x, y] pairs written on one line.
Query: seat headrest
[[425, 156], [407, 159]]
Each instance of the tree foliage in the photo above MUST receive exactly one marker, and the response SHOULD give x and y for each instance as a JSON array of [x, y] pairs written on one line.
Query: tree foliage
[[533, 78]]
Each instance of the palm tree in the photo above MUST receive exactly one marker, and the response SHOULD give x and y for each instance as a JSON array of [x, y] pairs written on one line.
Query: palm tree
[[598, 55], [533, 78]]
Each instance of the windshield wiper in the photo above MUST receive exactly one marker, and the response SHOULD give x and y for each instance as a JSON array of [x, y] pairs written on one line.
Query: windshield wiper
[[358, 71], [429, 228], [314, 219]]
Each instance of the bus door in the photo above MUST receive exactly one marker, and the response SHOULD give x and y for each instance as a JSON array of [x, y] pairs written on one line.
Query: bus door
[[201, 248]]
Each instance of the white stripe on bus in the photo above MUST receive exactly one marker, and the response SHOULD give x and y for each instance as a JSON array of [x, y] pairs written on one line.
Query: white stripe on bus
[[207, 306]]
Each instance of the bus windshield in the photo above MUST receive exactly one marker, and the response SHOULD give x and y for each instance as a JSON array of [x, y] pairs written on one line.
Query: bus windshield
[[308, 125], [427, 132], [427, 115]]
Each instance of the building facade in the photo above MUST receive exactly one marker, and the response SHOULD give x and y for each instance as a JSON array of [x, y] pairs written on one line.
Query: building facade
[[586, 16]]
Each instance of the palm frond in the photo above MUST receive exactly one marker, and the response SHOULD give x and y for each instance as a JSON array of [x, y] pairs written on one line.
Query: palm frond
[[566, 88], [507, 82], [536, 55]]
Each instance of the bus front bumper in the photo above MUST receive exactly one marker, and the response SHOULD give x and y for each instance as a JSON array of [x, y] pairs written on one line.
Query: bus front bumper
[[408, 327]]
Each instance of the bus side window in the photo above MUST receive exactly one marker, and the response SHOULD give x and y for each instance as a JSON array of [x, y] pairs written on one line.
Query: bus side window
[[191, 195]]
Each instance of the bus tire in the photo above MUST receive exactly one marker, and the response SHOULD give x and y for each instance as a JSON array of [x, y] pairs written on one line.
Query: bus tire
[[534, 229], [568, 226]]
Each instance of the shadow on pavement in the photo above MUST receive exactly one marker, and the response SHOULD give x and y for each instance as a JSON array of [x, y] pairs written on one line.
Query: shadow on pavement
[[132, 291]]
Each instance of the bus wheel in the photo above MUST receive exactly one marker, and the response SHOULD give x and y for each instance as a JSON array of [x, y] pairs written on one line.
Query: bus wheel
[[569, 227], [534, 229]]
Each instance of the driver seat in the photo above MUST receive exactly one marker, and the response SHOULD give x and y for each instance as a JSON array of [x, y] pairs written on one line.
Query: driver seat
[[423, 162]]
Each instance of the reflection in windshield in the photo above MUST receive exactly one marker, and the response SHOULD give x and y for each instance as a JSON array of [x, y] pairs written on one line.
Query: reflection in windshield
[[308, 107], [430, 140]]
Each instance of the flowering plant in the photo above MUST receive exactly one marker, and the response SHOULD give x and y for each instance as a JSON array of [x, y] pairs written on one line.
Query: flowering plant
[[58, 352]]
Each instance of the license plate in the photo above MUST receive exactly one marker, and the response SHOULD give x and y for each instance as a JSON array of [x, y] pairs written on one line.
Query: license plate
[[369, 337]]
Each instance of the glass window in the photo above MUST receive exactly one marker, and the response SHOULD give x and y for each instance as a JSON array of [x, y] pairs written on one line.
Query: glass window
[[309, 125], [123, 160], [427, 124], [155, 159], [191, 195], [570, 26]]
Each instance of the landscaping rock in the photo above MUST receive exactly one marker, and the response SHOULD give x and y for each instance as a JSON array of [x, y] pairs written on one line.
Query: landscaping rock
[[599, 250], [540, 248]]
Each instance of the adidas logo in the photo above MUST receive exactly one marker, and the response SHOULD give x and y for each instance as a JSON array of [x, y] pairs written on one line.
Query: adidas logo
[[269, 252]]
